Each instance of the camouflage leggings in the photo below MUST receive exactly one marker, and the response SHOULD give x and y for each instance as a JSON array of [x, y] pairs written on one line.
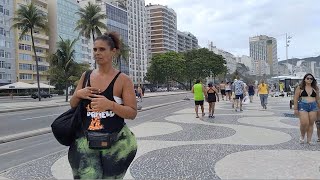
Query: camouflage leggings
[[109, 163]]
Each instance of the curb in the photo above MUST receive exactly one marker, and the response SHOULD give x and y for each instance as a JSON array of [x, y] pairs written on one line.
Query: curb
[[31, 108], [23, 135]]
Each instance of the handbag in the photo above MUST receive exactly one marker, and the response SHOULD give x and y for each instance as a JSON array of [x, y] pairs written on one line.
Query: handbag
[[65, 126]]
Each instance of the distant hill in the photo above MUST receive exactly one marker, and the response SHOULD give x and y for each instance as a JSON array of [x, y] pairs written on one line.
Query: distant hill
[[295, 60]]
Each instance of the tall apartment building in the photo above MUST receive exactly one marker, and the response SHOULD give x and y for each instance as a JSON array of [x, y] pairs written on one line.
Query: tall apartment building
[[186, 41], [117, 20], [25, 60], [263, 50], [62, 22], [7, 43], [162, 29], [137, 39]]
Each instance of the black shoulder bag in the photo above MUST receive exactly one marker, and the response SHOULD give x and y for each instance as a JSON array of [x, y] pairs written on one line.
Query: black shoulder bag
[[65, 126]]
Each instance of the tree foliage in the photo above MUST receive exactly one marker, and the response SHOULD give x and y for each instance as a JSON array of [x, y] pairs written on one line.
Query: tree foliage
[[165, 67], [185, 67], [64, 70], [91, 22], [28, 19]]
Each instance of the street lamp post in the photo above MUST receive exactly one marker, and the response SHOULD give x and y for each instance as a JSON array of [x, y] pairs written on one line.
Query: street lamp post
[[288, 38]]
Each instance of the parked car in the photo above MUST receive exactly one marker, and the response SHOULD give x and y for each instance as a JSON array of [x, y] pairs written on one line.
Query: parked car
[[42, 94]]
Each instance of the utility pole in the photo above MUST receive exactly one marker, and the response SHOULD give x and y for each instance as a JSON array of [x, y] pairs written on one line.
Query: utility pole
[[287, 46]]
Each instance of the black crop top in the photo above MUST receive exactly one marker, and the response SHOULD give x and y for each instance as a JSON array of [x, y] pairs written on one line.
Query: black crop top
[[107, 121], [305, 94]]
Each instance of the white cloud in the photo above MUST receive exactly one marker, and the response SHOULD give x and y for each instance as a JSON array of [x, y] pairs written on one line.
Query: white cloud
[[230, 23]]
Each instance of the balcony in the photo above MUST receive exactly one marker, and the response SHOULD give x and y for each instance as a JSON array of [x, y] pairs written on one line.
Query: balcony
[[41, 36], [41, 45]]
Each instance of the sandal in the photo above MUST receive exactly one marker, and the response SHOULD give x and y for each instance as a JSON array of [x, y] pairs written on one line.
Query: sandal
[[197, 116], [318, 140]]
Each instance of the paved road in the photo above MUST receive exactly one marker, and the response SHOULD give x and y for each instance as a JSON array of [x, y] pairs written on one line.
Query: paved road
[[22, 121], [26, 150]]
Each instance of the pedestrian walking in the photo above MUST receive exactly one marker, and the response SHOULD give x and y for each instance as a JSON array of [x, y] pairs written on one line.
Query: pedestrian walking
[[140, 93], [200, 93], [239, 91], [263, 90], [228, 91], [306, 106], [104, 147], [222, 89], [213, 96], [251, 91]]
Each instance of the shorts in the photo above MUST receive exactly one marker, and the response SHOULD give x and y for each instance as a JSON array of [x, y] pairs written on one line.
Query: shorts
[[197, 103], [308, 107], [239, 97], [251, 93], [223, 92], [228, 91]]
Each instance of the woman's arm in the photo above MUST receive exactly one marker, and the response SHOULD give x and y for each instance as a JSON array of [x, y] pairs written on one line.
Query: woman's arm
[[129, 108], [74, 101]]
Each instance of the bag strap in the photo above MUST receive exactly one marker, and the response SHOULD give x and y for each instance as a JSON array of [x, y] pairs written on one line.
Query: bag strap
[[86, 80]]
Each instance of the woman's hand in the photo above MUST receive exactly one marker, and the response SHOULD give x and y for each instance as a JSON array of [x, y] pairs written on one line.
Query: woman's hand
[[101, 103], [87, 92], [296, 112]]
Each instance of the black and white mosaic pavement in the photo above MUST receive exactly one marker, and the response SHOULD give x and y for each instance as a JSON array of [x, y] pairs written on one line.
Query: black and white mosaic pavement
[[254, 144]]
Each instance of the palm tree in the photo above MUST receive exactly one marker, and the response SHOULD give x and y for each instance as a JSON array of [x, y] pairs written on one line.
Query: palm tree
[[123, 54], [28, 18], [90, 22], [62, 62]]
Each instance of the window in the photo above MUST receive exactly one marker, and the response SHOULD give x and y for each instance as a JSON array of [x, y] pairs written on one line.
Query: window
[[1, 9], [24, 47], [25, 66], [25, 76], [2, 53], [1, 64], [25, 57]]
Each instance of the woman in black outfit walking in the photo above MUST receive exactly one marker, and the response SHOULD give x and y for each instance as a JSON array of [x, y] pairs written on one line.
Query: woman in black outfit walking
[[212, 98]]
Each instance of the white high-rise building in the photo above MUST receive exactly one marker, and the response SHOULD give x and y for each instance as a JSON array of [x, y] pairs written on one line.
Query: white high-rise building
[[137, 38], [263, 50], [229, 58]]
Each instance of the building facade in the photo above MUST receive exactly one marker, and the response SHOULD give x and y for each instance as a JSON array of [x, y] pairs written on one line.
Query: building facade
[[228, 57], [7, 44], [263, 50], [25, 60], [186, 41], [117, 20], [162, 29], [62, 22], [247, 61]]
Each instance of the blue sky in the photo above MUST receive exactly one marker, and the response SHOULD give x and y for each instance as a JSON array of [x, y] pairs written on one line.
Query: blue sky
[[230, 23]]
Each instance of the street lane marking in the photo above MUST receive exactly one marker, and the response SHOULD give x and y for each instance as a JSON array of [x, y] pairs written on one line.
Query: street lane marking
[[10, 152], [39, 117]]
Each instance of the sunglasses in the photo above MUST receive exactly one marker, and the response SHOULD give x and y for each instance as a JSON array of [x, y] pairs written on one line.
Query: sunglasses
[[309, 79]]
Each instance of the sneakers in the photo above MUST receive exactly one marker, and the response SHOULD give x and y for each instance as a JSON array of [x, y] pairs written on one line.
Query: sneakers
[[203, 114]]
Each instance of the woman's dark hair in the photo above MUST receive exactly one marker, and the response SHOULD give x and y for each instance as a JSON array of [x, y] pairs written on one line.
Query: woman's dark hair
[[210, 84], [197, 81], [112, 38], [313, 84]]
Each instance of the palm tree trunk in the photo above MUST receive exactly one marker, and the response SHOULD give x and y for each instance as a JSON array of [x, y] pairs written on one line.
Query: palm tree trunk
[[95, 63], [37, 64], [66, 91]]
